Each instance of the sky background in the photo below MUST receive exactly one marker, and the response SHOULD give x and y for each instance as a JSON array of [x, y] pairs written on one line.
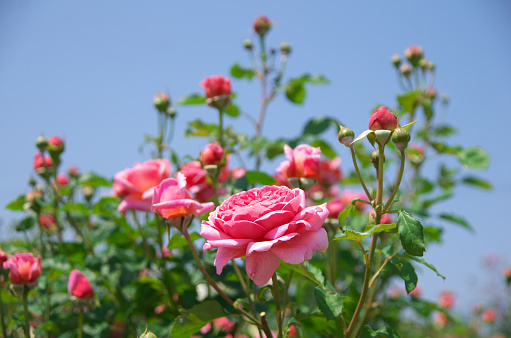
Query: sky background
[[88, 71]]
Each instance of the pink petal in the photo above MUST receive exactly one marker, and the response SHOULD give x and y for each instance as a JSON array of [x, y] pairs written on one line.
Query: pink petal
[[261, 266], [281, 231], [312, 217], [266, 245], [224, 255], [274, 219], [244, 229], [130, 202], [301, 247]]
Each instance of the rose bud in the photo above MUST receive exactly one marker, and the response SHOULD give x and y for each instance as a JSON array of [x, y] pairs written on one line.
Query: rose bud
[[47, 221], [41, 143], [446, 300], [383, 118], [414, 55], [248, 44], [218, 91], [375, 159], [79, 286], [396, 61], [488, 315], [406, 70], [430, 93], [62, 180], [285, 48], [161, 102], [41, 163], [34, 193], [262, 25], [55, 145], [212, 154], [401, 137], [24, 268], [73, 171], [346, 136]]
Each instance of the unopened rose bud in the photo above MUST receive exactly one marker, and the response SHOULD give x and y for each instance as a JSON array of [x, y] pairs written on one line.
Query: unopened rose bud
[[383, 118], [171, 112], [346, 136], [34, 193], [423, 64], [148, 334], [88, 192], [401, 137], [248, 44], [445, 98], [62, 180], [79, 287], [161, 102], [375, 158], [285, 48], [41, 143], [406, 70], [430, 93], [431, 66], [55, 145], [413, 54], [212, 154], [396, 61], [42, 164], [262, 25], [73, 171]]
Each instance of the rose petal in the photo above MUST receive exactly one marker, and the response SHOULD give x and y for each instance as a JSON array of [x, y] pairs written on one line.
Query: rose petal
[[266, 245], [274, 219], [261, 266], [224, 255], [244, 229]]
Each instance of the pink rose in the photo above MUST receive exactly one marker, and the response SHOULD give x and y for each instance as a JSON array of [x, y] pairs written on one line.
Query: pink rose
[[262, 25], [216, 85], [171, 199], [55, 142], [135, 185], [330, 172], [39, 161], [47, 221], [79, 286], [348, 196], [440, 319], [266, 225], [383, 118], [413, 54], [488, 315], [73, 170], [212, 154], [34, 193], [62, 180], [335, 206], [303, 161], [446, 300], [3, 258], [25, 268]]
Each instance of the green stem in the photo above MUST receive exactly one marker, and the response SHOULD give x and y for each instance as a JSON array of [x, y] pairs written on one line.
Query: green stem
[[25, 308], [247, 291], [144, 240], [48, 303], [398, 181], [276, 295], [80, 324], [354, 158], [221, 127], [212, 282], [2, 319]]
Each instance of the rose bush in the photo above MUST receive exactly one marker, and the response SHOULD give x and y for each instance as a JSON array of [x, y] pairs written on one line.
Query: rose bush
[[266, 225]]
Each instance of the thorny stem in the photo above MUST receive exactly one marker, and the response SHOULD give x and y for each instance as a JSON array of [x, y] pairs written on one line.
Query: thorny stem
[[276, 295], [212, 282], [353, 156], [398, 181], [221, 127]]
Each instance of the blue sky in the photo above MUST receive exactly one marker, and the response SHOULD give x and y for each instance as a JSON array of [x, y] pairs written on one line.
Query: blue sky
[[88, 71]]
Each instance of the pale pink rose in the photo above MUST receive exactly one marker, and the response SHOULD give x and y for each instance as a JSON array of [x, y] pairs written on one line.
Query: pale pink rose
[[266, 225], [330, 172], [34, 193], [79, 286], [488, 315], [24, 268], [303, 161], [335, 206], [216, 85], [446, 300], [212, 154], [136, 185], [171, 199]]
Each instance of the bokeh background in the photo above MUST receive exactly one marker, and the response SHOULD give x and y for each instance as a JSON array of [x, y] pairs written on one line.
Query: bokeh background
[[88, 70]]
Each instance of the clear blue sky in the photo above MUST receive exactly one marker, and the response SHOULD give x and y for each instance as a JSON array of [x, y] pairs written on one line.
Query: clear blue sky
[[88, 71]]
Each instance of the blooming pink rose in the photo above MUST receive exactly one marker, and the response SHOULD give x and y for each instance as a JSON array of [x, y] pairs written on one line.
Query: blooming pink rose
[[171, 199], [488, 315], [79, 286], [303, 161], [39, 161], [25, 268], [62, 180], [136, 185], [383, 118], [262, 25], [212, 154], [47, 221], [216, 85], [330, 172], [197, 181], [446, 300], [266, 225], [335, 206]]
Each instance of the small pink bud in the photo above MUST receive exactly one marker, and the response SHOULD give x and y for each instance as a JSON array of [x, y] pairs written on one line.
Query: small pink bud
[[73, 171], [446, 300], [62, 180], [161, 102], [47, 221], [55, 144], [34, 193], [430, 93], [212, 154], [79, 286], [413, 54], [40, 161], [416, 293], [262, 25], [406, 70], [383, 118]]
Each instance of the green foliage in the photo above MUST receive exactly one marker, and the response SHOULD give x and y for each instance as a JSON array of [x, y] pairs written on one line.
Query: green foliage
[[330, 303], [474, 158], [368, 332], [192, 320], [411, 233], [239, 72], [191, 99]]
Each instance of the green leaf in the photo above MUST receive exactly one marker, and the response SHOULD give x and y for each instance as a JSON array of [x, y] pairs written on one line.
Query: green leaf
[[76, 207], [374, 228], [407, 126], [315, 272], [90, 179], [192, 320], [478, 182], [330, 303], [326, 149], [316, 125], [313, 275], [411, 233], [259, 177], [232, 110], [178, 241], [314, 79], [295, 91], [458, 220], [474, 158], [408, 101], [239, 72], [343, 215], [25, 224], [362, 136], [409, 276], [367, 332], [191, 99], [17, 204], [199, 128], [430, 266]]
